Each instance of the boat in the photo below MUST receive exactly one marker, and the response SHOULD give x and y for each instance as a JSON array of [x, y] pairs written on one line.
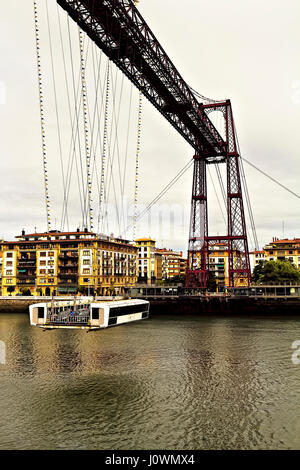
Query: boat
[[87, 314]]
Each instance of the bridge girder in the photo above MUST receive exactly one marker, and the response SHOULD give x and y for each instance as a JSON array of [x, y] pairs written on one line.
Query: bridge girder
[[117, 27]]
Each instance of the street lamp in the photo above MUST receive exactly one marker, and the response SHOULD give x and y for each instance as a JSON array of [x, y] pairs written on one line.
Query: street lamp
[[35, 286]]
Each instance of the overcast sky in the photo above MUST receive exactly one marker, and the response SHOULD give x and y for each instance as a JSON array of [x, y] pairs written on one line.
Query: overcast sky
[[247, 51]]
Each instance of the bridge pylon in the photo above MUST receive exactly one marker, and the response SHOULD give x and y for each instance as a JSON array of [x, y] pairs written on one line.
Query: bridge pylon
[[200, 242]]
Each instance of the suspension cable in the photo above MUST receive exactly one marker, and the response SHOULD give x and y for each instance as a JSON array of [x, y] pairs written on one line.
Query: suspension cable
[[126, 152], [163, 191], [104, 149], [216, 194], [73, 138], [85, 125], [56, 110], [138, 147], [77, 135], [113, 146], [271, 178], [40, 86]]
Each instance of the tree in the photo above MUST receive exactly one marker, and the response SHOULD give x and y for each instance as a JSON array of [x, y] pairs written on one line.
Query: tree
[[82, 290], [276, 272], [11, 289], [180, 279], [258, 271], [25, 291], [212, 282]]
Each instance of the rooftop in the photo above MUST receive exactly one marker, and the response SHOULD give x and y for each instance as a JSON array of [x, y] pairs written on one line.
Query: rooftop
[[54, 233]]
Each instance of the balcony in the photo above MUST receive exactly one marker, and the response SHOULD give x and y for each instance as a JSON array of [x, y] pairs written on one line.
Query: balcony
[[67, 284], [70, 256], [26, 263], [68, 266], [70, 275], [26, 280]]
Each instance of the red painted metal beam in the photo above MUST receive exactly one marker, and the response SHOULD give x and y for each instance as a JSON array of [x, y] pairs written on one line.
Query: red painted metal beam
[[118, 28]]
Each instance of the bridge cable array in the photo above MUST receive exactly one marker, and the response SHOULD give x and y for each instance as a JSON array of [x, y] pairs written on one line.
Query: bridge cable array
[[93, 145], [138, 147], [41, 101]]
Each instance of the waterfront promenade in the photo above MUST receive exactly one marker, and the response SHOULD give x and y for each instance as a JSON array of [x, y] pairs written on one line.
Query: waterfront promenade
[[259, 300]]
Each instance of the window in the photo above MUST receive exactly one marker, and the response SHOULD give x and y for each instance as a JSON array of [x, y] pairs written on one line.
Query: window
[[9, 255], [51, 271], [127, 310], [8, 281], [51, 253], [9, 263], [42, 271], [86, 253], [86, 280], [95, 313], [86, 262], [43, 254], [43, 263], [86, 271], [9, 272]]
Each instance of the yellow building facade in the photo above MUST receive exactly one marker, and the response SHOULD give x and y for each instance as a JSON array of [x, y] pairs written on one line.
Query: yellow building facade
[[278, 250], [173, 263], [146, 260], [63, 263]]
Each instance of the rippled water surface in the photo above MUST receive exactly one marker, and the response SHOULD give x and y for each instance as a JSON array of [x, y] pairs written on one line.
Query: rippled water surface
[[164, 383]]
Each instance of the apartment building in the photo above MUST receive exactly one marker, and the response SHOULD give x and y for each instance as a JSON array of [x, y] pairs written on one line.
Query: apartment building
[[146, 260], [173, 263], [283, 250], [278, 250], [55, 263]]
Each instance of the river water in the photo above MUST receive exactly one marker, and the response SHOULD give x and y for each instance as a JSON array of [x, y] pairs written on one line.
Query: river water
[[164, 383]]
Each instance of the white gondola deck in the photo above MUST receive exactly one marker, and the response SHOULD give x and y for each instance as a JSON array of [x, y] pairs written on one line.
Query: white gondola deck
[[87, 314]]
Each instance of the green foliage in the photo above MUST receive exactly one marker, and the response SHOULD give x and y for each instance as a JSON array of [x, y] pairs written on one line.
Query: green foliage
[[212, 282], [25, 291], [173, 280], [258, 271], [81, 290], [276, 272]]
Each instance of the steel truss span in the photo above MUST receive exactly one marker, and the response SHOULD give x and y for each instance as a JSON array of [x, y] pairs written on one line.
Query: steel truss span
[[117, 27]]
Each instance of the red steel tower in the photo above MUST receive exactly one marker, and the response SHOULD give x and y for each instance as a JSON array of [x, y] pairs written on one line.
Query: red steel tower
[[236, 237]]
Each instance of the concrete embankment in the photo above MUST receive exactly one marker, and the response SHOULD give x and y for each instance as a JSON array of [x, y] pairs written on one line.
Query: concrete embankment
[[215, 305], [20, 304], [226, 305]]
